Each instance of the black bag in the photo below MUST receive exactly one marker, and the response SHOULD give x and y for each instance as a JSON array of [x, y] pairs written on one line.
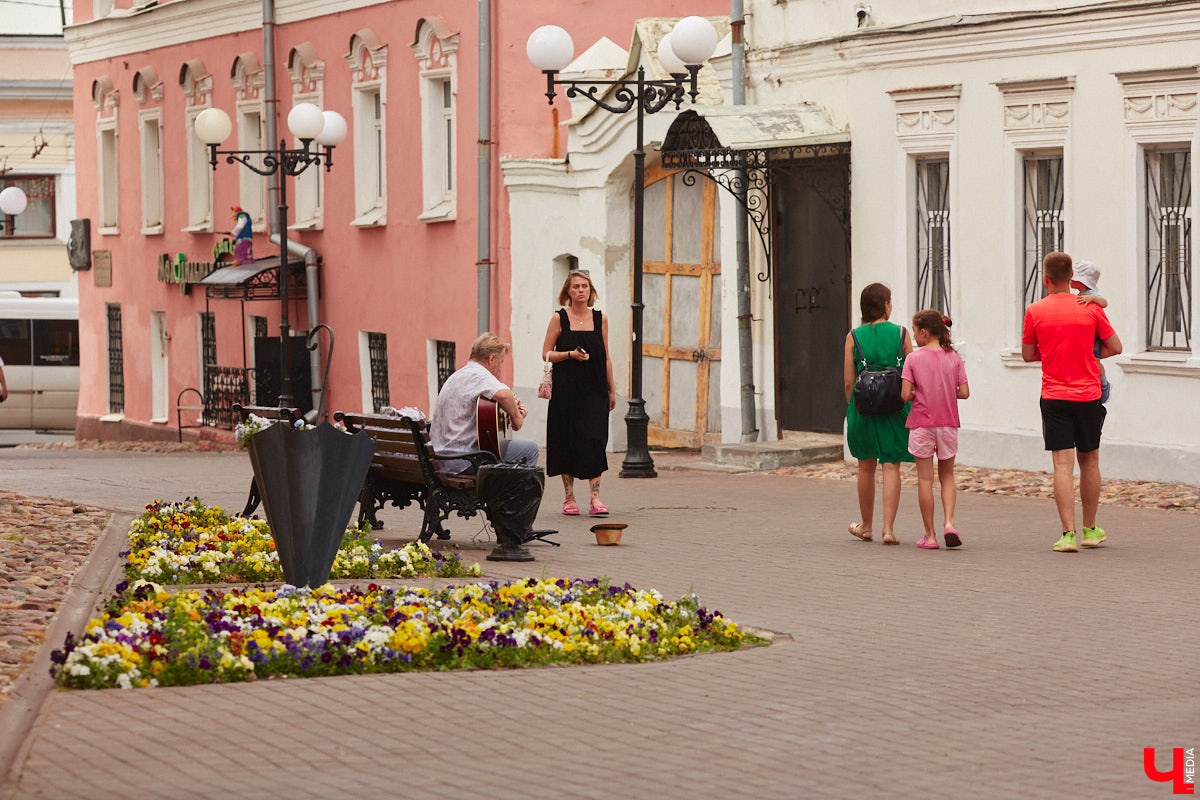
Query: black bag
[[877, 391]]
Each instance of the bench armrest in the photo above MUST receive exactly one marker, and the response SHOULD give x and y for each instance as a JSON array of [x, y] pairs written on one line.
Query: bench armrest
[[476, 457]]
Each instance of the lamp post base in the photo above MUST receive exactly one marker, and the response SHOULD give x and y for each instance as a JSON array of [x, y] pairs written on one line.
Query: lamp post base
[[637, 463]]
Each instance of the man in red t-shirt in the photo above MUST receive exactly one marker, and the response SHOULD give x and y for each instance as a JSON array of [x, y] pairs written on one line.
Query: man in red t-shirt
[[1060, 331]]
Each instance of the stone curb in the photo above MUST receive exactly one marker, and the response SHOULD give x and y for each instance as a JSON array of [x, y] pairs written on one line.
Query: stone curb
[[31, 690]]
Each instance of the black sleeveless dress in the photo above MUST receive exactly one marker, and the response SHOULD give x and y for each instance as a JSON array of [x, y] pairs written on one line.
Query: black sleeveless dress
[[577, 425]]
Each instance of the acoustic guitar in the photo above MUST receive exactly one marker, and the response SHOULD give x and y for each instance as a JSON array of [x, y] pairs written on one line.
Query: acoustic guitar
[[491, 427]]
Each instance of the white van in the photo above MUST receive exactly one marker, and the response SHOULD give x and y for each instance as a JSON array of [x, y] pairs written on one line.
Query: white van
[[39, 342]]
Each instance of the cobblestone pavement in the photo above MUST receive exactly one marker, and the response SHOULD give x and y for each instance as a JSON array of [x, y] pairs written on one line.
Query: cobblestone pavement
[[997, 670]]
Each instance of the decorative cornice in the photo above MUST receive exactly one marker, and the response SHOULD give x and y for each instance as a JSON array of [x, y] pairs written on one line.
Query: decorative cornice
[[924, 111], [1037, 104], [1160, 96]]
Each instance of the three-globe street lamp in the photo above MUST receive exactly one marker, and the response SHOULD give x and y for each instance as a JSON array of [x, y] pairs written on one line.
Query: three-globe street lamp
[[308, 124], [681, 52], [12, 202]]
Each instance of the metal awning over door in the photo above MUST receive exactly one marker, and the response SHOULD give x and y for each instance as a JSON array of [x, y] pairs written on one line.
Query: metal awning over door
[[740, 147]]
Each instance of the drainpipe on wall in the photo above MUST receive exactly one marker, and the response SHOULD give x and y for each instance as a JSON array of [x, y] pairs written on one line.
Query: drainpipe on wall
[[310, 281], [742, 239], [483, 265], [309, 255]]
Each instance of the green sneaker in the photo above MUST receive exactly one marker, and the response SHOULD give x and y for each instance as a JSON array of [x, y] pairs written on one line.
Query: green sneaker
[[1066, 544], [1093, 537]]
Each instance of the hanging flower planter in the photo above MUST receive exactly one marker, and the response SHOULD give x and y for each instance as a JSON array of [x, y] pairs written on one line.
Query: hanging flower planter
[[309, 480]]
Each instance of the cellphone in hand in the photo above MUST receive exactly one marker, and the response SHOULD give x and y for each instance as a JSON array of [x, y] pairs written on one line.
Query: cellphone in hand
[[580, 349]]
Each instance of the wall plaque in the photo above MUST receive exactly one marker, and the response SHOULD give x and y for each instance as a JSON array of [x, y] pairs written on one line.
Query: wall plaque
[[102, 267]]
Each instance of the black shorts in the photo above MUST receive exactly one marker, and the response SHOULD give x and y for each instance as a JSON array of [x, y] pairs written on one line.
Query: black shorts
[[1068, 424]]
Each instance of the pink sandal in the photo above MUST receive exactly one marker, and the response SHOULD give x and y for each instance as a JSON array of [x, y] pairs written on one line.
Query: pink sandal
[[570, 508], [597, 509]]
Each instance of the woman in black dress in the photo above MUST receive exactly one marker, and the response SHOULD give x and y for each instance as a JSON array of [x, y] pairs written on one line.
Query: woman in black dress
[[577, 427]]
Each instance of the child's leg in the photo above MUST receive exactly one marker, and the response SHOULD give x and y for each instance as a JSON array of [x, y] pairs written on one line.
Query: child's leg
[[866, 491], [949, 490], [891, 500], [925, 495]]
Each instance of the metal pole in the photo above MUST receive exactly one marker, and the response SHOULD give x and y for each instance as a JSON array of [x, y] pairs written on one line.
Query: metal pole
[[637, 463], [742, 243], [285, 376], [483, 266]]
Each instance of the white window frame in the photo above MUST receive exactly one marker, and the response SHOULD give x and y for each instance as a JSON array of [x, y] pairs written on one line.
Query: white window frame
[[197, 89], [926, 128], [368, 84], [307, 195], [1037, 121], [248, 82], [107, 175], [436, 51], [150, 122]]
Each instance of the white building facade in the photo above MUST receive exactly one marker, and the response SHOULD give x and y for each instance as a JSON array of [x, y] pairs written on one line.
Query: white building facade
[[973, 138]]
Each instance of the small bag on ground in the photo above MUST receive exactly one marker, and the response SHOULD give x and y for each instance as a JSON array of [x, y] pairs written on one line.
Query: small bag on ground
[[547, 384], [877, 391]]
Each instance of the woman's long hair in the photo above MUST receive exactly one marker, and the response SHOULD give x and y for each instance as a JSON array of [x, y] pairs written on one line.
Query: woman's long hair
[[935, 324], [873, 302]]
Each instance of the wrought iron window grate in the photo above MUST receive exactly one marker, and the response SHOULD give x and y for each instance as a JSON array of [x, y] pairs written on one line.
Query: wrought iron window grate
[[1044, 225], [933, 234], [116, 361], [445, 361], [377, 349], [208, 342], [224, 386], [1168, 249]]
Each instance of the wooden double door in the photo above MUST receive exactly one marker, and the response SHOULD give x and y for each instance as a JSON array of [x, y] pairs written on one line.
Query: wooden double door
[[681, 324]]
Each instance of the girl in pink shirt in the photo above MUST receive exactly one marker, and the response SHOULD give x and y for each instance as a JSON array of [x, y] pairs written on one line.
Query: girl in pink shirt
[[935, 379]]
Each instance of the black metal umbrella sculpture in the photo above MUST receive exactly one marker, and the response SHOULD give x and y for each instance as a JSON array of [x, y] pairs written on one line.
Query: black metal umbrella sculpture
[[309, 481]]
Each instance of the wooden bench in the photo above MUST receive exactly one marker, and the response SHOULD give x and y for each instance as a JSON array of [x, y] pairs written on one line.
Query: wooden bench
[[406, 469], [289, 415]]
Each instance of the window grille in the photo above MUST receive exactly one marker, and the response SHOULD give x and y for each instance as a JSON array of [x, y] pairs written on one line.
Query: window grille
[[1168, 249], [208, 343], [116, 361], [445, 362], [224, 386], [933, 235], [260, 328], [1044, 225], [377, 349]]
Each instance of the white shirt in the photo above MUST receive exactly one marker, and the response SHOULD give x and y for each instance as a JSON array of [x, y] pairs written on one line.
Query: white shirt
[[453, 428]]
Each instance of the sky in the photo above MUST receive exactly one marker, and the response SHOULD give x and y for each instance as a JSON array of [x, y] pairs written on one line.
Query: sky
[[32, 16]]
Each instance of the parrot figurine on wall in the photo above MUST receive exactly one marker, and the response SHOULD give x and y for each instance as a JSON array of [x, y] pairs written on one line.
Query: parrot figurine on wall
[[243, 248]]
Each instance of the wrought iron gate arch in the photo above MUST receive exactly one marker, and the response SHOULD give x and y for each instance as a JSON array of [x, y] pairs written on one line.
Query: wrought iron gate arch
[[747, 174]]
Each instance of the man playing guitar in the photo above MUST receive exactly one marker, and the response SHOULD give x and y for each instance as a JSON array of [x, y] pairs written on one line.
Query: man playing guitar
[[453, 429]]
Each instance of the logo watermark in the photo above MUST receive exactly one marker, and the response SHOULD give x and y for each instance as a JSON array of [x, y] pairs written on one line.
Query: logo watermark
[[1183, 769]]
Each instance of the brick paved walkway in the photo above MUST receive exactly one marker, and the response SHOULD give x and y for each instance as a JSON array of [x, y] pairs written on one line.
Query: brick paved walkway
[[999, 670]]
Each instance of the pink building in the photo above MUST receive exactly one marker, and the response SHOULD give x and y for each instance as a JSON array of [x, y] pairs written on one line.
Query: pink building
[[395, 244]]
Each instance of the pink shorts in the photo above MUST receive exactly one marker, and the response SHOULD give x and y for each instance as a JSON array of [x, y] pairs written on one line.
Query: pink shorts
[[928, 442]]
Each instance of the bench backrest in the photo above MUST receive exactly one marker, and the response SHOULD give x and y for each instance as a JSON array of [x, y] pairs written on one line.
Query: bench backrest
[[396, 444], [273, 413]]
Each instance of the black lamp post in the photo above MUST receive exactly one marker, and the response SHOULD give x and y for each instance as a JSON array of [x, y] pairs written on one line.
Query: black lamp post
[[307, 123], [681, 52]]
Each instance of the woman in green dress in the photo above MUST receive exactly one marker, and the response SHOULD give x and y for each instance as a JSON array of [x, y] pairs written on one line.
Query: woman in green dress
[[879, 438]]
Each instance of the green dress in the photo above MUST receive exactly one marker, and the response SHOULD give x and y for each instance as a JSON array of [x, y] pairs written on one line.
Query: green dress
[[884, 437]]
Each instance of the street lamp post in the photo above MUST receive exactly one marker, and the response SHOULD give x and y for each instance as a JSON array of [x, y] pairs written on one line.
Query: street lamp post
[[681, 53], [308, 124]]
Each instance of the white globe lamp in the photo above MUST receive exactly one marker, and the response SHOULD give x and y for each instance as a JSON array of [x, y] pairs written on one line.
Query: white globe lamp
[[334, 131], [305, 121], [550, 48], [693, 39], [12, 201], [213, 126], [666, 56]]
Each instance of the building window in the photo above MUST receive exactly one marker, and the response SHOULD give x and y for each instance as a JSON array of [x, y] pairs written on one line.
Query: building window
[[933, 234], [152, 172], [106, 133], [436, 50], [37, 220], [445, 362], [1168, 249], [248, 83], [368, 68], [197, 89], [307, 74], [116, 361], [1045, 228], [208, 344], [377, 351]]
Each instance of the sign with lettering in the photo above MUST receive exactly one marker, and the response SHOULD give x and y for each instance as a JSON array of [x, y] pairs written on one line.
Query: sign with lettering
[[177, 269], [102, 267]]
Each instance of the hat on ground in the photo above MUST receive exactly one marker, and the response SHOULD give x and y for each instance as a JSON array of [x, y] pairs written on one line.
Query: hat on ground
[[1086, 273]]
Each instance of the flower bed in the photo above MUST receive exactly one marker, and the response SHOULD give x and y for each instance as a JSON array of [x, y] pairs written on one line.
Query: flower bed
[[149, 637], [189, 542]]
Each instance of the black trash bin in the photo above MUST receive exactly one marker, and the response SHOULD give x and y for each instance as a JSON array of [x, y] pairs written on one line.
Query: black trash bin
[[511, 493], [309, 482]]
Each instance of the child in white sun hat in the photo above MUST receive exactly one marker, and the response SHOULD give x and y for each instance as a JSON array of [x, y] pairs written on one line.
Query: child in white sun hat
[[1085, 279]]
